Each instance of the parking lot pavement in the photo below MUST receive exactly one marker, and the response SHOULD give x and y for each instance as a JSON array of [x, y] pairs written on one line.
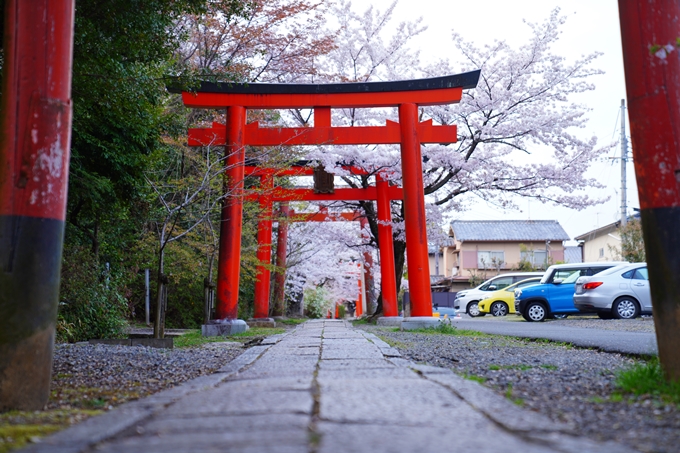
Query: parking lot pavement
[[324, 387], [580, 334]]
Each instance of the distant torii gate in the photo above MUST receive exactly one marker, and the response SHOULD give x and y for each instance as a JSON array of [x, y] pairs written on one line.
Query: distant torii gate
[[409, 133], [388, 286]]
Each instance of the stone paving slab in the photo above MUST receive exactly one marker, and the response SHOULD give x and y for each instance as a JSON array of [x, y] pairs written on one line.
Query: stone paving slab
[[322, 388]]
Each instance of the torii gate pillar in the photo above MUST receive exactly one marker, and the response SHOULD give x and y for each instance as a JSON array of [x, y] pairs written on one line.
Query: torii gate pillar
[[229, 263], [414, 217]]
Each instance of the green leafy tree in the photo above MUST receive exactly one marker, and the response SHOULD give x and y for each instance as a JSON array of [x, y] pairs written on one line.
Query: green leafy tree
[[632, 247]]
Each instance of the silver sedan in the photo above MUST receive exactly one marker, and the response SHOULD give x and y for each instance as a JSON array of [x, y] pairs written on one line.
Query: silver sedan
[[621, 292]]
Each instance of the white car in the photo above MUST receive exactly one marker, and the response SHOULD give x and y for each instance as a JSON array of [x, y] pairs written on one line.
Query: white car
[[467, 300], [621, 292]]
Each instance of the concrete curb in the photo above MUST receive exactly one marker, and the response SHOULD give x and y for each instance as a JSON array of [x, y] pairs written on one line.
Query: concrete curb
[[84, 436], [531, 426]]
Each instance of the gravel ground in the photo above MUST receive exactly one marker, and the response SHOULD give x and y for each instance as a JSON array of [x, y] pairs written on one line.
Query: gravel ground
[[567, 384], [101, 376]]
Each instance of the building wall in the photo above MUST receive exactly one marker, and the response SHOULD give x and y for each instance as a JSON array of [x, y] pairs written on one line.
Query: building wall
[[466, 257], [447, 262], [597, 248]]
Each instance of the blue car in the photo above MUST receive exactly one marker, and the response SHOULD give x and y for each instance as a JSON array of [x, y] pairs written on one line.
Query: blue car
[[554, 295], [449, 311]]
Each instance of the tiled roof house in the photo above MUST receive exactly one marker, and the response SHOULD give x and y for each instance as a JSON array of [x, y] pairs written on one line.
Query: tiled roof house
[[497, 246]]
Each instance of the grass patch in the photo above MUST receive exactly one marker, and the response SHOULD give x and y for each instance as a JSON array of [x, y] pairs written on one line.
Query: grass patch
[[393, 343], [194, 338], [547, 341], [360, 322], [19, 428], [616, 398], [474, 377], [257, 332], [447, 329], [519, 366], [648, 379], [291, 321], [549, 367], [508, 395]]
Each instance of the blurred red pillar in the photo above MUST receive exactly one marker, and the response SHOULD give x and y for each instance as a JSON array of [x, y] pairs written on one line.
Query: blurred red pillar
[[229, 262], [417, 258], [34, 162], [281, 250], [653, 91], [388, 278], [264, 248]]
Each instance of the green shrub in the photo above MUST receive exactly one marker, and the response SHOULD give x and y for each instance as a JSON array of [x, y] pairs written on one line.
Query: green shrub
[[91, 303], [316, 302]]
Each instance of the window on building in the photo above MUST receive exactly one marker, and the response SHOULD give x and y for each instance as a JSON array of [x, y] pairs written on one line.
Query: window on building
[[602, 253], [537, 258], [490, 260]]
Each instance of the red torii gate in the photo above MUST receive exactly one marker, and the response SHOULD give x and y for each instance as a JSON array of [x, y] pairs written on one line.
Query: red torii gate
[[409, 133], [382, 192], [323, 215]]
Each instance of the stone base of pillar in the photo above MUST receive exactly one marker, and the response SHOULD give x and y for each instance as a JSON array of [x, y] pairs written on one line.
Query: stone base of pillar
[[261, 322], [419, 322], [392, 321], [224, 327]]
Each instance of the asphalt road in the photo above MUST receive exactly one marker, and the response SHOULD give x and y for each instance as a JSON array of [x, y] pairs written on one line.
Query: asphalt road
[[606, 340]]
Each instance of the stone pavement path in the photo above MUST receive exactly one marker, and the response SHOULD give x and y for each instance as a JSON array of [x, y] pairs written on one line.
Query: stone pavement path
[[322, 388]]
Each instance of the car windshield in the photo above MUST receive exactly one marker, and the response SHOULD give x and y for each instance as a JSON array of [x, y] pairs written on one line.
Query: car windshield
[[572, 278]]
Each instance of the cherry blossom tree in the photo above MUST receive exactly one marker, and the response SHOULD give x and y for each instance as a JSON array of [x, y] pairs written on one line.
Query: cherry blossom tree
[[518, 130]]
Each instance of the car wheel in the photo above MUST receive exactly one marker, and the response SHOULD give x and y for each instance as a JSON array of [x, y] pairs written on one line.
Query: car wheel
[[625, 308], [473, 310], [499, 309], [563, 316], [602, 315], [535, 312]]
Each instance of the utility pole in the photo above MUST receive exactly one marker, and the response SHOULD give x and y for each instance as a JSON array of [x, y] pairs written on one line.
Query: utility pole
[[624, 158]]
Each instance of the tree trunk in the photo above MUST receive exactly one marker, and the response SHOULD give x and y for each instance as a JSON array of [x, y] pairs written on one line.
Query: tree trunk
[[159, 321]]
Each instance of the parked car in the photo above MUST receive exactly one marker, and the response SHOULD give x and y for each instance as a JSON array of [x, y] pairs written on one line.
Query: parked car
[[440, 312], [467, 300], [620, 292], [554, 295], [502, 302]]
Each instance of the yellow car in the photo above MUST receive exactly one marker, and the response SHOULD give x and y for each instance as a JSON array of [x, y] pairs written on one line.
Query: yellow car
[[502, 302]]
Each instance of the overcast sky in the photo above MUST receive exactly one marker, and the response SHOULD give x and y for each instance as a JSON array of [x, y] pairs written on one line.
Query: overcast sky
[[592, 25]]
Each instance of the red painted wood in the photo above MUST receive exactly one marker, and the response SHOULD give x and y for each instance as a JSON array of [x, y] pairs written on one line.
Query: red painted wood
[[653, 90], [336, 100], [264, 249], [36, 131], [229, 262], [414, 213], [295, 171], [296, 136], [322, 117], [370, 193], [386, 249], [281, 250], [323, 216]]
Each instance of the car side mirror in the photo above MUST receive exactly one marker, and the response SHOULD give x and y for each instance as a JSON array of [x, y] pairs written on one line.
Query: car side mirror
[[558, 281], [492, 288]]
